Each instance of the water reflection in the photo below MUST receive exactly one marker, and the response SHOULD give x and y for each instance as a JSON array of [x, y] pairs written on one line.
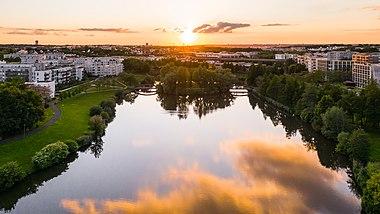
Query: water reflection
[[270, 179], [244, 164], [201, 105], [311, 139]]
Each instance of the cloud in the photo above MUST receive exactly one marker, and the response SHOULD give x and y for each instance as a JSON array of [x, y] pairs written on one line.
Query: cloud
[[61, 32], [372, 8], [111, 30], [220, 27], [275, 25], [160, 29]]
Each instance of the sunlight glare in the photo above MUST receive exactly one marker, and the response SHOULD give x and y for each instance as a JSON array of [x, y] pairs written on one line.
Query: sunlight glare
[[188, 37]]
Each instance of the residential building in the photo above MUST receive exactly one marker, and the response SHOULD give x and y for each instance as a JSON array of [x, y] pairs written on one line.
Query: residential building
[[8, 70], [101, 66], [284, 56], [365, 67]]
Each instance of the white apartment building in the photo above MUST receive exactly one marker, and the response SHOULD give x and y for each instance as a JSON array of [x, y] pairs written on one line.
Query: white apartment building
[[325, 64], [284, 56], [101, 66], [365, 67], [49, 85], [8, 70], [62, 75]]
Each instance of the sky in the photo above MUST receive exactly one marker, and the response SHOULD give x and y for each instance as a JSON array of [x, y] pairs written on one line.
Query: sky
[[188, 22]]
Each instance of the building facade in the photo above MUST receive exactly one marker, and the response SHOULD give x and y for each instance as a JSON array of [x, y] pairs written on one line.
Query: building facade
[[365, 68]]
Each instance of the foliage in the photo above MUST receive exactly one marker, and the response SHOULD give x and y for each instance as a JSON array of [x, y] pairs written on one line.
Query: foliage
[[355, 145], [132, 65], [334, 122], [72, 145], [84, 140], [184, 81], [97, 125], [10, 174], [95, 110], [21, 108], [106, 117], [371, 195], [50, 155], [109, 107]]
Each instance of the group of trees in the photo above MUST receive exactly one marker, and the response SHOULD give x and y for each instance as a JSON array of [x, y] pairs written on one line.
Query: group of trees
[[278, 68], [200, 80], [21, 108]]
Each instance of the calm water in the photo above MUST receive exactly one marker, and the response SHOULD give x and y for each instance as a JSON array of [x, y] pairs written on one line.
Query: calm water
[[205, 155]]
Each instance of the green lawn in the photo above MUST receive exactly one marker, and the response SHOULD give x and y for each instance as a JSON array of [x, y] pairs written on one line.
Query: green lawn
[[374, 139], [72, 124]]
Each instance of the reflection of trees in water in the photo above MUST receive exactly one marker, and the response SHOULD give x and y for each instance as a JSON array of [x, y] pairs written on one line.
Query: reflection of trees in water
[[96, 147], [202, 105], [30, 185], [312, 140]]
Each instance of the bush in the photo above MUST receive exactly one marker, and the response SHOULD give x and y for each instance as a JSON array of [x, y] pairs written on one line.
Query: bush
[[72, 145], [84, 140], [10, 174], [50, 155], [95, 110]]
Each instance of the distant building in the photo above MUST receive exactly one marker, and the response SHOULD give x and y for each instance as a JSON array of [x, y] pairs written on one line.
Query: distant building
[[284, 56], [365, 67], [49, 85], [101, 66]]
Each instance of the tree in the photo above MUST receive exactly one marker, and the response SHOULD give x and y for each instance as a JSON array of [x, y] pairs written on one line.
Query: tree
[[334, 122], [97, 125], [95, 110], [21, 108], [371, 195], [355, 145], [371, 112]]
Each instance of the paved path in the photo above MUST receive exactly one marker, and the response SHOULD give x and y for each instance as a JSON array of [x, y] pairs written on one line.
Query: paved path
[[56, 116]]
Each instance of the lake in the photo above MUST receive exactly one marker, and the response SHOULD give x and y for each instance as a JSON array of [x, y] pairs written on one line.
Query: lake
[[219, 154]]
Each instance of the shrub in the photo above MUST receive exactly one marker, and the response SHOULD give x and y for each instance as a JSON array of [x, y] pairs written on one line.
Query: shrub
[[95, 110], [50, 155], [84, 140], [72, 145], [10, 174]]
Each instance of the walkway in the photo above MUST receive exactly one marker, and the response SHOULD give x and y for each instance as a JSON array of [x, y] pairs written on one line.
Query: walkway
[[56, 116]]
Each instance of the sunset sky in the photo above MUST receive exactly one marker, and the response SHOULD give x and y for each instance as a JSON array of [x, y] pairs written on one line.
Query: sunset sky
[[177, 22]]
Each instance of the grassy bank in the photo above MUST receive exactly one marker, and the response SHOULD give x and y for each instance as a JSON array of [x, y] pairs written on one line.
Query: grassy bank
[[72, 124]]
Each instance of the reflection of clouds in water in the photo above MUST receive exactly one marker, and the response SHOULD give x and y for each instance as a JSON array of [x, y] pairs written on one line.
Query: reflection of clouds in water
[[278, 179], [292, 168]]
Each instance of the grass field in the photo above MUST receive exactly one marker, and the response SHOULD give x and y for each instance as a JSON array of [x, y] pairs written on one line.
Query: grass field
[[374, 139], [72, 124]]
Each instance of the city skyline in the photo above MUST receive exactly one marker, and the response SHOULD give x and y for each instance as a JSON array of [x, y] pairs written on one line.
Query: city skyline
[[168, 22]]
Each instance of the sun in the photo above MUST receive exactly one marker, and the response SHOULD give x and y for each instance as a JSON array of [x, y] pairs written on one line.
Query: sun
[[188, 37]]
